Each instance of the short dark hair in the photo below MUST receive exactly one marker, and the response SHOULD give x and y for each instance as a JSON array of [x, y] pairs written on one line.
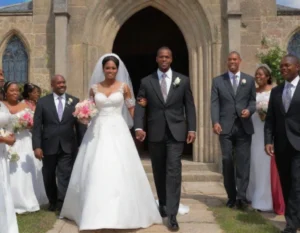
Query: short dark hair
[[236, 53], [164, 48], [267, 73], [293, 57], [29, 88], [111, 58]]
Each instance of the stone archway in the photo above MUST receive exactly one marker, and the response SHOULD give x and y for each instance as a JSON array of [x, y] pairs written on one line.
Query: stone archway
[[105, 19]]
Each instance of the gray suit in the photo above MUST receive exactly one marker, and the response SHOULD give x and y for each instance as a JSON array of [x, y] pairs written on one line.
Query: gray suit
[[168, 123], [226, 108]]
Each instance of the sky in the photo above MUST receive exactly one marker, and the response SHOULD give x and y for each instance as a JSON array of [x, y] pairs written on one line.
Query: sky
[[290, 3], [9, 2]]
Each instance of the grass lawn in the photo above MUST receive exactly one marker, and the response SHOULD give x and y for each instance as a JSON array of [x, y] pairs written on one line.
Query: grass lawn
[[235, 221], [37, 222]]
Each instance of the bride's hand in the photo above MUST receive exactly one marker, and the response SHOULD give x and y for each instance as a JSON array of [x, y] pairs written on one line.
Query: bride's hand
[[142, 102]]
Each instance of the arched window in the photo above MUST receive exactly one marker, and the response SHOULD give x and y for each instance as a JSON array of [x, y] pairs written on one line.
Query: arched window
[[294, 45], [15, 61]]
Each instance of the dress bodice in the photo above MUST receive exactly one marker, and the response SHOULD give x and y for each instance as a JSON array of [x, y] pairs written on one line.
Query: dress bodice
[[109, 105], [262, 96]]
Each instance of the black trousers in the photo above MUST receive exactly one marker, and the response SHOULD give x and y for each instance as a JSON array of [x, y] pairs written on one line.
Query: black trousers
[[288, 164], [166, 166], [57, 167], [236, 154]]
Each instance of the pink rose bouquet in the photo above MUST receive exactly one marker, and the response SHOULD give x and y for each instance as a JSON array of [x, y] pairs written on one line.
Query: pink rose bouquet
[[85, 111], [23, 120]]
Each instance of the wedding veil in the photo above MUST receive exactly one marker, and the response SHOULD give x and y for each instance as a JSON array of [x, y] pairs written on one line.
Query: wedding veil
[[122, 76]]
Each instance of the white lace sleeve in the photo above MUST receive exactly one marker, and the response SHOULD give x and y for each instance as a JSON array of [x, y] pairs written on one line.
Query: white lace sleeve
[[130, 102]]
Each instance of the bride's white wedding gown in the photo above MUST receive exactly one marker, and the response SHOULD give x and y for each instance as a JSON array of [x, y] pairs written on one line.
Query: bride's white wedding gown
[[109, 188]]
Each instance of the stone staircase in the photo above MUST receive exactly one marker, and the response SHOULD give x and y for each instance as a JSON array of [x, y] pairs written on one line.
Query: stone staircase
[[191, 171]]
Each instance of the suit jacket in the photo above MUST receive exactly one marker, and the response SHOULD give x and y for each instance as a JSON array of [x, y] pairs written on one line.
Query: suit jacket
[[48, 132], [178, 112], [226, 106], [283, 127]]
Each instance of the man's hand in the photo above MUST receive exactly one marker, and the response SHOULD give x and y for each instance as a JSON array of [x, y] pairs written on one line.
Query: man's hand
[[38, 153], [217, 128], [190, 137], [269, 148], [140, 135], [245, 113]]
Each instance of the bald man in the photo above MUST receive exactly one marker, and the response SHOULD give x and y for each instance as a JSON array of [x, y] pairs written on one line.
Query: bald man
[[56, 137]]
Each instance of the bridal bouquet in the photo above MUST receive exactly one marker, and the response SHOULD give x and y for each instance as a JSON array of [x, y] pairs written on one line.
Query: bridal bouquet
[[85, 111], [23, 120], [262, 109], [12, 155]]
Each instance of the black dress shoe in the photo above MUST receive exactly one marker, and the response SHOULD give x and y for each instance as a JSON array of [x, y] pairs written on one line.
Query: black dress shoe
[[289, 229], [172, 223], [52, 207], [230, 203], [241, 205], [162, 211]]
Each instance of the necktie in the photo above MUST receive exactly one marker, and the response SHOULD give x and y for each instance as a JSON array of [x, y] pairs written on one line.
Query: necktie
[[288, 96], [60, 109], [234, 83], [163, 86]]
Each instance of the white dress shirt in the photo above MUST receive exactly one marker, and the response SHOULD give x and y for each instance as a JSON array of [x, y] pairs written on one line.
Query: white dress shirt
[[293, 87], [63, 100], [237, 76], [168, 78]]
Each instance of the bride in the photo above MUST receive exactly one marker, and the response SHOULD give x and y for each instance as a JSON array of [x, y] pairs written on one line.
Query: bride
[[108, 188]]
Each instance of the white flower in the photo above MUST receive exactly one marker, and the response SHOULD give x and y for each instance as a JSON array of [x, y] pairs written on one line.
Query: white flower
[[176, 82], [70, 100], [244, 81]]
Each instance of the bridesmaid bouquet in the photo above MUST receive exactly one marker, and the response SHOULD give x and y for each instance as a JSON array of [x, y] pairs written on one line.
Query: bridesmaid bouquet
[[262, 109], [85, 111], [12, 155], [22, 121]]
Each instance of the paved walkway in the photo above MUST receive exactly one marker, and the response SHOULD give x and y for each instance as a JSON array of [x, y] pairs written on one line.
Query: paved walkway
[[199, 196]]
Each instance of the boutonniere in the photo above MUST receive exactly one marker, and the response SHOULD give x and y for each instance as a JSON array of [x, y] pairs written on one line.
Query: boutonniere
[[176, 82], [70, 101], [243, 81]]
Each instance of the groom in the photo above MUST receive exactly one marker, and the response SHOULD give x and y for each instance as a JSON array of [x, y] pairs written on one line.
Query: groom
[[171, 120], [56, 136]]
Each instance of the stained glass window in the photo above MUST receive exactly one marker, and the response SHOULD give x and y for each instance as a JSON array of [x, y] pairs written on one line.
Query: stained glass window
[[15, 61], [294, 45]]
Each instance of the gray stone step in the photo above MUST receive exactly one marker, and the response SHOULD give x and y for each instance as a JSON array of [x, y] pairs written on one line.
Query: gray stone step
[[187, 166], [196, 176]]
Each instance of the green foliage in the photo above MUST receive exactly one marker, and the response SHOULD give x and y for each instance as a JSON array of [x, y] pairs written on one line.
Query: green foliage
[[272, 57]]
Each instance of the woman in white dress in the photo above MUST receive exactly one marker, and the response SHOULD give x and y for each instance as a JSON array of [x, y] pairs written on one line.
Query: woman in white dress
[[109, 188], [259, 189], [8, 220], [26, 178]]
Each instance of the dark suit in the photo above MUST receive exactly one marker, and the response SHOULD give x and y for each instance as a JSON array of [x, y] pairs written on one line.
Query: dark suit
[[59, 141], [283, 130], [168, 123], [226, 108]]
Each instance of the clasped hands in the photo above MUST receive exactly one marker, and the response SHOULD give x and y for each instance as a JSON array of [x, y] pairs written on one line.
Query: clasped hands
[[217, 127]]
